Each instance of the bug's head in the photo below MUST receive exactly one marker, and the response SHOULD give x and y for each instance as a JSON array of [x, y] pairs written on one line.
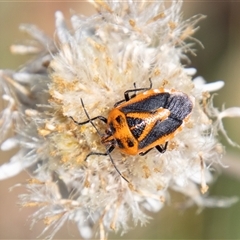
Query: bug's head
[[108, 138]]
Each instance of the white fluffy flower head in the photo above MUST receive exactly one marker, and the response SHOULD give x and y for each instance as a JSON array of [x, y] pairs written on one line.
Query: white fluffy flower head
[[95, 62]]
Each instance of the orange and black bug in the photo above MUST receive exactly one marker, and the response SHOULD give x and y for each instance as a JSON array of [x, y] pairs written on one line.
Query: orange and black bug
[[143, 121]]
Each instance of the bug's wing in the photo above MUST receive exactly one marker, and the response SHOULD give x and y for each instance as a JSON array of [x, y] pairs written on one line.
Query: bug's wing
[[148, 104], [179, 105], [160, 130]]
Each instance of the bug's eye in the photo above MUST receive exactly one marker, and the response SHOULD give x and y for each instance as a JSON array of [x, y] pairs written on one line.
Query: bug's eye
[[111, 129], [108, 132], [119, 143], [119, 119]]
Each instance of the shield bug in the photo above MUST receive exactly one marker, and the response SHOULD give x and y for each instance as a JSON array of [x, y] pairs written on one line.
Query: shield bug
[[143, 121]]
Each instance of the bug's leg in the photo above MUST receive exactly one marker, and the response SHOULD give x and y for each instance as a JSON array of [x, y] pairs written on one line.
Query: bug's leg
[[162, 148], [89, 120], [144, 153], [124, 100], [117, 103], [95, 153], [105, 154], [126, 94], [100, 154], [135, 92]]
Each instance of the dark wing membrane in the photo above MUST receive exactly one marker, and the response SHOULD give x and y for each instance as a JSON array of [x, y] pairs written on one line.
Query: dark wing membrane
[[150, 104], [160, 129], [179, 105]]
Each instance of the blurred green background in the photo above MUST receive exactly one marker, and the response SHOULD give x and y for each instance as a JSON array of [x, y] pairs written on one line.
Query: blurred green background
[[219, 60]]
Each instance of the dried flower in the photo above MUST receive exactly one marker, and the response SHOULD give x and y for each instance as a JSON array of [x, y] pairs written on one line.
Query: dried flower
[[97, 60]]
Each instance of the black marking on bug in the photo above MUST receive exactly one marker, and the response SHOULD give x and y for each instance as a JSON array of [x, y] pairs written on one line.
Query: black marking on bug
[[136, 125], [160, 129], [112, 128], [132, 122], [130, 143], [150, 104], [119, 119]]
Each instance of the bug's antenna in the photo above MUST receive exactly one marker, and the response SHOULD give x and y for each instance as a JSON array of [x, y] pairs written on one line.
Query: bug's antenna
[[111, 159], [89, 119]]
